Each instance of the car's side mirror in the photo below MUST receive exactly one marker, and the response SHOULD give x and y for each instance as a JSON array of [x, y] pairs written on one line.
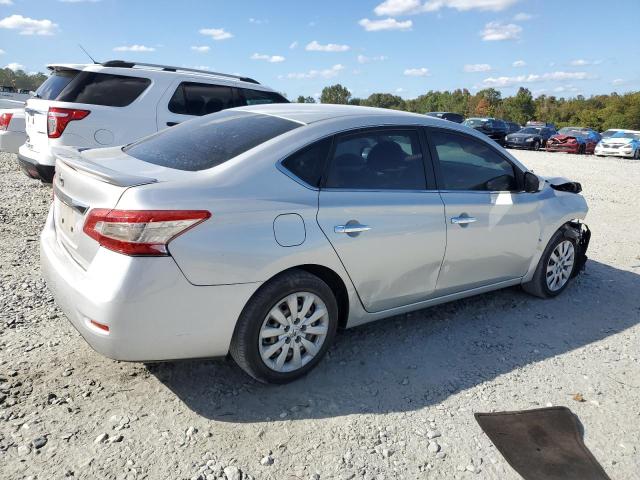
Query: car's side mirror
[[531, 183]]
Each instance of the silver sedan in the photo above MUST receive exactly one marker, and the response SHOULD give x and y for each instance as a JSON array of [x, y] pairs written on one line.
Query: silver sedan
[[259, 231]]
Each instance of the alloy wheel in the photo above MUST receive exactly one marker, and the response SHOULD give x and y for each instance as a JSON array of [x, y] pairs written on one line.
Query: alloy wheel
[[293, 332], [560, 265]]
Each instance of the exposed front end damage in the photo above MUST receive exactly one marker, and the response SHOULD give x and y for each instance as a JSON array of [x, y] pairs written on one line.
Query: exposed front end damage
[[581, 234]]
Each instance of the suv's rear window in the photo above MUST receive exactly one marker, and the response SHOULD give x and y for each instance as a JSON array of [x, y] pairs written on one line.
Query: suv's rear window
[[104, 89], [53, 85], [208, 141]]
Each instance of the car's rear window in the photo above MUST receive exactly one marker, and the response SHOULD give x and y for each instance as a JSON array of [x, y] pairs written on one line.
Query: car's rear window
[[56, 82], [208, 141], [104, 89]]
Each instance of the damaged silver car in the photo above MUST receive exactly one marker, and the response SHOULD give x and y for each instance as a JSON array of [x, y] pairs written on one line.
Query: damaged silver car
[[259, 231]]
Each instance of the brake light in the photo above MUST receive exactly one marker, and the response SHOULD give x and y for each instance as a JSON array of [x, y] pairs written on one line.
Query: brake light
[[5, 119], [140, 232], [59, 118]]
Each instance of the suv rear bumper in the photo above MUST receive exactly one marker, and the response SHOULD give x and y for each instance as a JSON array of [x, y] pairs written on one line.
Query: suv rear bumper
[[152, 312], [36, 165]]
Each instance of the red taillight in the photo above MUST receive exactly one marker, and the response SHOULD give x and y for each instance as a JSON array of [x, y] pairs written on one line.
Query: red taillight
[[59, 118], [5, 119], [140, 232]]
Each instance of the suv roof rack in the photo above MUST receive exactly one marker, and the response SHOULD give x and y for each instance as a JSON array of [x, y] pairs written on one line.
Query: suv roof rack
[[169, 68]]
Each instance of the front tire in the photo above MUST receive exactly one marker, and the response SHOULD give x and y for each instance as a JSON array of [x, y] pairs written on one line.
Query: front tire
[[536, 145], [555, 268], [275, 344]]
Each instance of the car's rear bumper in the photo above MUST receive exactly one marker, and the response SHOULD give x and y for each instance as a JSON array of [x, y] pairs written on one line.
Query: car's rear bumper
[[10, 141], [151, 310], [40, 165]]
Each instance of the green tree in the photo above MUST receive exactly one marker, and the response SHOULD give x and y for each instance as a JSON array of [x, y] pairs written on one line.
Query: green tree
[[519, 108], [303, 99], [335, 94], [385, 100]]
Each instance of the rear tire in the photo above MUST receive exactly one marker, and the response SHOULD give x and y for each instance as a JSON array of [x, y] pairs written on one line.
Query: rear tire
[[274, 346], [536, 145], [557, 262], [581, 150]]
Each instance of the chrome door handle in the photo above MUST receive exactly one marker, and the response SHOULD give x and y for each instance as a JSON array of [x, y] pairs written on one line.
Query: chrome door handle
[[463, 220], [352, 228]]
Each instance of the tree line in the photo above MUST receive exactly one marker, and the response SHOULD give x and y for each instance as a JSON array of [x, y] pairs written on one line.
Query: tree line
[[598, 111], [21, 79]]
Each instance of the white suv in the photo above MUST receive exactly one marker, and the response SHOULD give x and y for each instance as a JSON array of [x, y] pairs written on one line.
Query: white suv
[[117, 102]]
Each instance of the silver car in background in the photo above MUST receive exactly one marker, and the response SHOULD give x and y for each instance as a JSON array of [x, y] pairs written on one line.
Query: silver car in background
[[258, 231]]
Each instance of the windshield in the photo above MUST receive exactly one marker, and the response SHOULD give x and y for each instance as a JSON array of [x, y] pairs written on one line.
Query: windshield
[[631, 135], [572, 131], [208, 141], [530, 130], [56, 82], [609, 133], [474, 122]]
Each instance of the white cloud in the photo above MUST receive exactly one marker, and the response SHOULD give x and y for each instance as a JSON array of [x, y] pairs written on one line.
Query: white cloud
[[216, 33], [477, 67], [385, 24], [396, 8], [618, 81], [14, 66], [268, 58], [417, 72], [326, 73], [581, 62], [329, 47], [519, 63], [533, 78], [79, 1], [29, 26], [496, 31], [134, 48], [258, 21], [293, 45], [2, 52], [399, 90], [365, 59], [522, 17], [201, 48], [6, 2]]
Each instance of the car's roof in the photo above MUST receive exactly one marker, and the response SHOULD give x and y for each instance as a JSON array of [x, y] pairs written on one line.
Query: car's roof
[[307, 113]]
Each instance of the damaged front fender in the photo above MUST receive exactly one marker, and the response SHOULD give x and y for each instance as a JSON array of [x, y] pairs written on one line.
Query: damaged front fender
[[581, 235]]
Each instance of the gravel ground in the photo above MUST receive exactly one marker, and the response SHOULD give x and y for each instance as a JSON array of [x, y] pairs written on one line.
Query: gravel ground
[[394, 399]]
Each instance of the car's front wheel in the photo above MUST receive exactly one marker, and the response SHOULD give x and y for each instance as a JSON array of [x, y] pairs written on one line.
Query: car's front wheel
[[536, 145], [555, 267], [286, 328]]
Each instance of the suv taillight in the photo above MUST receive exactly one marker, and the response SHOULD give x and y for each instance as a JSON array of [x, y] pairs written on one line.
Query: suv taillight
[[59, 118], [5, 118], [140, 232]]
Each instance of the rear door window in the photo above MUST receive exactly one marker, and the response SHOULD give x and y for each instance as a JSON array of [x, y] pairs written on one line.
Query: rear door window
[[258, 97], [56, 82], [377, 160], [308, 164], [209, 141], [104, 89], [191, 98]]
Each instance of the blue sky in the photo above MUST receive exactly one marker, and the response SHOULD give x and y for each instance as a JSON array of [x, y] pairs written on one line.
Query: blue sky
[[406, 47]]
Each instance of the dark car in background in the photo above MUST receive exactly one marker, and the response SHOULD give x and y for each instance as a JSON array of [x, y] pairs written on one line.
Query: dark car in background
[[530, 138], [512, 127], [491, 127], [578, 140], [451, 116]]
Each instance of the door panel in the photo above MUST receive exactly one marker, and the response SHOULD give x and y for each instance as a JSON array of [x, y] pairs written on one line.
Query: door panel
[[497, 246], [397, 261]]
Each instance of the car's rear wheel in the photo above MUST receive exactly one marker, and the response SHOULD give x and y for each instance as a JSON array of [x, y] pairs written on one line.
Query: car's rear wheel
[[536, 145], [286, 328], [581, 150], [555, 267]]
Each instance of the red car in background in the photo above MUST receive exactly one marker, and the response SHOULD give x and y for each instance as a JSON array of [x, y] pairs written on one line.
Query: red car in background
[[574, 140]]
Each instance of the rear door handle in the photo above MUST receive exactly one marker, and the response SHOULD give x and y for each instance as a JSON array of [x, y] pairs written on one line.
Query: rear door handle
[[171, 124], [463, 220], [351, 228]]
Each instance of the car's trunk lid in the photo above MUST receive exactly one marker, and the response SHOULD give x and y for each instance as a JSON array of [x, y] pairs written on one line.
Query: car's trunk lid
[[80, 185], [35, 118]]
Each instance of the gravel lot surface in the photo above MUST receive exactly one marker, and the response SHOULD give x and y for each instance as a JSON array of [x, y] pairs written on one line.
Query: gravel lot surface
[[394, 399]]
